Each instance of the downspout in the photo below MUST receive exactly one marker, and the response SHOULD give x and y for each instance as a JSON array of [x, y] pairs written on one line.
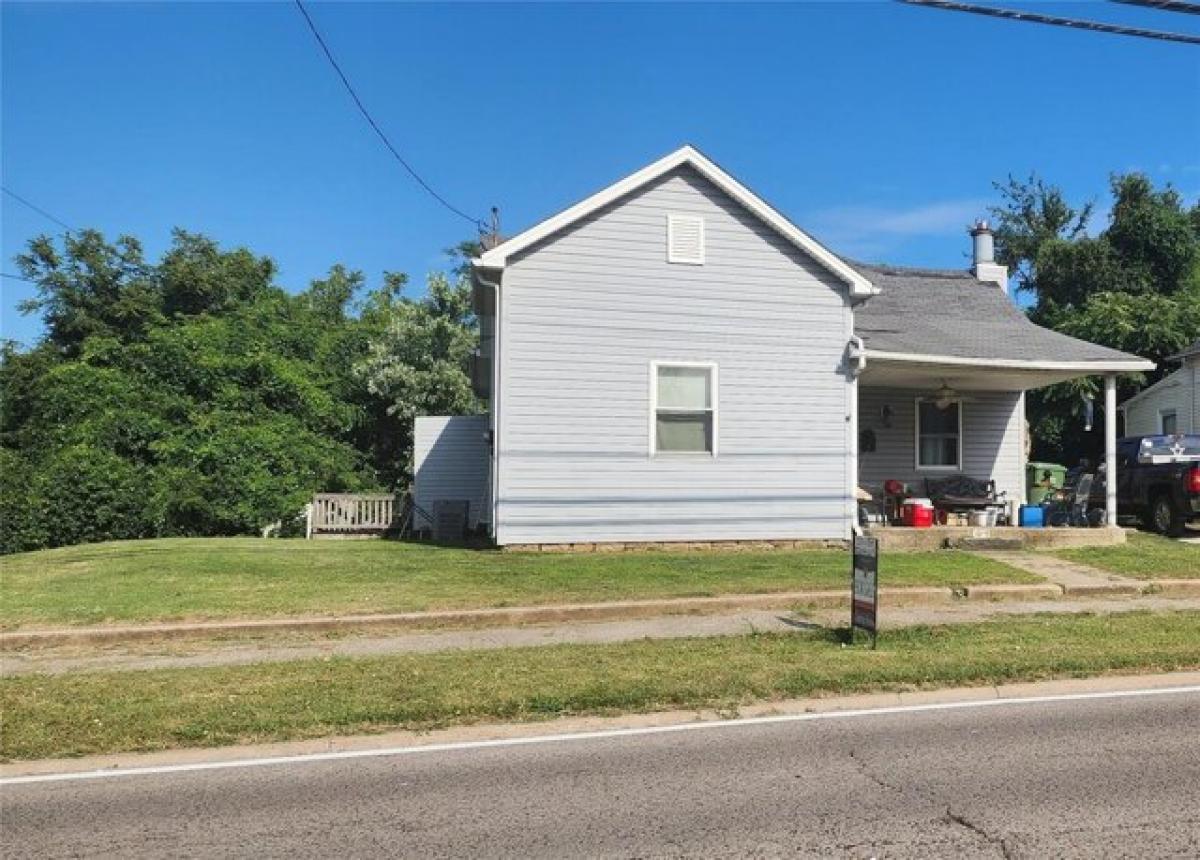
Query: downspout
[[858, 355], [494, 525]]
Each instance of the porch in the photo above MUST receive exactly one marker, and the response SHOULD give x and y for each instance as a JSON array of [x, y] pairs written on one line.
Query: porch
[[926, 422], [941, 363]]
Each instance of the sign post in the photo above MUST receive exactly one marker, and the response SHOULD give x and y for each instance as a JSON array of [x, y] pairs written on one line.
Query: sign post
[[864, 595]]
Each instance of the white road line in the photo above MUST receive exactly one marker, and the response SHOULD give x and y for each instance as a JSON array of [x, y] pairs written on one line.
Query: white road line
[[588, 736]]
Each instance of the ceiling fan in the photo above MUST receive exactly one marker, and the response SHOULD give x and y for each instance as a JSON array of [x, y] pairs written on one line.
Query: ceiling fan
[[946, 396]]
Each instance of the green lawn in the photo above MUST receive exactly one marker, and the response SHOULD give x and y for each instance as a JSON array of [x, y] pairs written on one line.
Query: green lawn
[[1143, 557], [138, 581], [249, 577], [66, 715]]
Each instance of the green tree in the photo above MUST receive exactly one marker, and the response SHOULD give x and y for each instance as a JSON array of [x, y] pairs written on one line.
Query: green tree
[[89, 288], [1030, 215], [419, 364], [218, 407], [195, 396], [1134, 286], [197, 277]]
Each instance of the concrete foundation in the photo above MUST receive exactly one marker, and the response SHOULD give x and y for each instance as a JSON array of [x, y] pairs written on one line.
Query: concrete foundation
[[898, 539], [678, 546]]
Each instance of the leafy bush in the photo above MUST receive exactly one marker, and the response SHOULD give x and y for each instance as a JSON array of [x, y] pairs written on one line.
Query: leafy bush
[[22, 522], [88, 495], [195, 397]]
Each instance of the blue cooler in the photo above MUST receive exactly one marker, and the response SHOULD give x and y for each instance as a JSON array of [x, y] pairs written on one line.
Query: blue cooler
[[1032, 517]]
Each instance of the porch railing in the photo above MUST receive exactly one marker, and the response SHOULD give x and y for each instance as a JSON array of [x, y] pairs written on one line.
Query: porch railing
[[351, 513]]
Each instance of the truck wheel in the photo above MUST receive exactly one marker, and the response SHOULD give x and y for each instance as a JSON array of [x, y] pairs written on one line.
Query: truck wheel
[[1165, 518]]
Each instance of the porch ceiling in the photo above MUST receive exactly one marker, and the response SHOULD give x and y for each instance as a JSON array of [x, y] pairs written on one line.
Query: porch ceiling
[[965, 377]]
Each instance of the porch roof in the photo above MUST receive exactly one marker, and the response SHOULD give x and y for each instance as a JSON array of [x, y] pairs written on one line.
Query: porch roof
[[935, 323]]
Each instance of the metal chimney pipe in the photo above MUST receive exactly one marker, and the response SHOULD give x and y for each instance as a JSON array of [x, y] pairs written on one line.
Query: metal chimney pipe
[[983, 243]]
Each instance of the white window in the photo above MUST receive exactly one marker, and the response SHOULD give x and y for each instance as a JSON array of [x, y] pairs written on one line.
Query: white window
[[683, 408], [939, 435], [1169, 422], [685, 239]]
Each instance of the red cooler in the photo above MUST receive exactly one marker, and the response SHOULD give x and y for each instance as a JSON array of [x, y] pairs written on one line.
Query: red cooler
[[917, 513]]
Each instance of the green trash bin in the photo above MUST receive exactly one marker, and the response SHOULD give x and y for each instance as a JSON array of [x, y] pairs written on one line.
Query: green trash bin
[[1041, 479]]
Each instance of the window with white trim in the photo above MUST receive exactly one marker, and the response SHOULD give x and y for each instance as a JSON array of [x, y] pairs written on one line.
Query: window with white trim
[[685, 239], [1168, 420], [939, 435], [684, 416]]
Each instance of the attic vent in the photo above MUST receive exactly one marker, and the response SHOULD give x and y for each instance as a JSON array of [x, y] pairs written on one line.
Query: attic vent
[[685, 239]]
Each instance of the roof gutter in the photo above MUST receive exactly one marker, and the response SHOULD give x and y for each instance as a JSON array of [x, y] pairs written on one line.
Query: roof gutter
[[1130, 365]]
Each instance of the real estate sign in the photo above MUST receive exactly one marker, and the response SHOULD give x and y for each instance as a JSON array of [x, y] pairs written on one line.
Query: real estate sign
[[865, 585]]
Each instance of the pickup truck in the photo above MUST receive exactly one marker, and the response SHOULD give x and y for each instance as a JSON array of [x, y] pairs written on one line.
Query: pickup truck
[[1158, 481]]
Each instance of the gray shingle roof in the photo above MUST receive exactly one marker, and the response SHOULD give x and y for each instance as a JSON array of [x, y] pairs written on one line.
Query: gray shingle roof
[[1194, 349], [939, 312]]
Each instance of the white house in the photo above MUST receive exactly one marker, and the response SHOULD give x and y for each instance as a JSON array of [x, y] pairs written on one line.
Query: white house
[[1172, 405], [671, 359]]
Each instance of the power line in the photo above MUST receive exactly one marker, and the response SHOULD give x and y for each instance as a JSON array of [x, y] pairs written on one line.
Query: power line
[[39, 210], [1038, 18], [1165, 5], [17, 278], [478, 222]]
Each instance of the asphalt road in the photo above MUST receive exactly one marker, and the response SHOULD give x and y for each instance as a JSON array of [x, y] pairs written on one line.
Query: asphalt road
[[1097, 778]]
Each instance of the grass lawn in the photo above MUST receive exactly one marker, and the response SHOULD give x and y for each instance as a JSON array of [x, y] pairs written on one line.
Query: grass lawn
[[1143, 557], [248, 577], [67, 715]]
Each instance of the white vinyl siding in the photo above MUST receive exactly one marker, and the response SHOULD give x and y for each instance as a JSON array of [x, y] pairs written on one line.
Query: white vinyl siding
[[583, 316], [992, 439], [1178, 392], [451, 463]]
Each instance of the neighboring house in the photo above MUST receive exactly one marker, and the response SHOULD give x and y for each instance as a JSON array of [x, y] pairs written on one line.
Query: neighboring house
[[671, 359], [1171, 405]]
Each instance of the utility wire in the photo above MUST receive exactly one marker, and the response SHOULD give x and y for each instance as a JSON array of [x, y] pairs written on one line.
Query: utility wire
[[1038, 18], [15, 196], [478, 222], [1165, 5], [18, 278]]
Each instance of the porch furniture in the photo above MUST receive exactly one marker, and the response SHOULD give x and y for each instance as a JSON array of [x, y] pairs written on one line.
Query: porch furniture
[[870, 509], [1073, 506], [346, 514], [958, 493], [894, 494]]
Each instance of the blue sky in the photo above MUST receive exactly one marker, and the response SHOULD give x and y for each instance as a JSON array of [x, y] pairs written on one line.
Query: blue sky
[[877, 127]]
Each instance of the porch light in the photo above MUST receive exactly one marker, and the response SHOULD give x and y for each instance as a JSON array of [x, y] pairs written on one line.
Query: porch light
[[945, 397]]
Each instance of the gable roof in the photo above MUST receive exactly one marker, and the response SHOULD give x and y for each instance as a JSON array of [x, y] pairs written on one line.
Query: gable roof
[[497, 257], [1171, 380], [943, 316], [1194, 349]]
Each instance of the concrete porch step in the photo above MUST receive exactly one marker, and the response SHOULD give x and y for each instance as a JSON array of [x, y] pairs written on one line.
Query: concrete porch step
[[995, 544], [899, 538]]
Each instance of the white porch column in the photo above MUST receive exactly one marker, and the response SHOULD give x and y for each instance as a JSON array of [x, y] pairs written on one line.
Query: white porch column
[[1110, 449]]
